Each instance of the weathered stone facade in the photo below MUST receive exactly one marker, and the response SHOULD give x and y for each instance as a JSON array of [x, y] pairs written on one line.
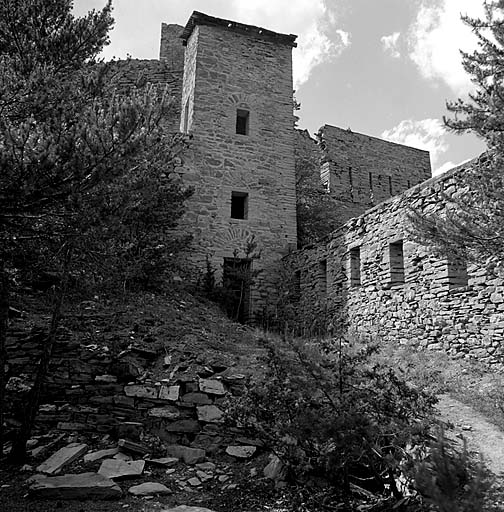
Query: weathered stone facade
[[388, 287], [234, 71], [361, 171]]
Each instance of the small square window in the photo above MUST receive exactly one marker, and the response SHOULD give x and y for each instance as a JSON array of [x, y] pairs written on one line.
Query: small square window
[[355, 264], [242, 122], [239, 205]]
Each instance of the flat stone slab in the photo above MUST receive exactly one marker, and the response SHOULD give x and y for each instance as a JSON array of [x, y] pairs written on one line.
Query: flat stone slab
[[212, 386], [100, 454], [149, 489], [164, 412], [74, 487], [241, 452], [169, 393], [140, 391], [164, 461], [113, 468], [196, 398], [185, 508], [210, 414], [63, 456], [188, 455]]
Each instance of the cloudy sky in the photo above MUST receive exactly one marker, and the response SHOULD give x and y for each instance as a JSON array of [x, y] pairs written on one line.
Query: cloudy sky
[[381, 67]]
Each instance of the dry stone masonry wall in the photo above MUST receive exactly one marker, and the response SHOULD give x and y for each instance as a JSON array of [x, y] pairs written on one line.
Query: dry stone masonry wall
[[391, 288], [89, 389]]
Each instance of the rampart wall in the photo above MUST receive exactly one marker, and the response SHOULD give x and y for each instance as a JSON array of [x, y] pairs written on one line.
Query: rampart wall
[[361, 171], [389, 287]]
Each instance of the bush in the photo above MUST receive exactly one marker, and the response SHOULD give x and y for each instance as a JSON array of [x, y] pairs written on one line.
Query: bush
[[333, 418]]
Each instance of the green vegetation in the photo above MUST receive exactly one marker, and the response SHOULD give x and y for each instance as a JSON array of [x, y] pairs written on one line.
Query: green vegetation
[[88, 197], [351, 429]]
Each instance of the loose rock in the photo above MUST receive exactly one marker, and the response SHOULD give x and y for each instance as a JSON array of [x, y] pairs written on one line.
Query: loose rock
[[112, 468], [74, 487], [188, 455], [149, 489], [100, 454], [214, 387]]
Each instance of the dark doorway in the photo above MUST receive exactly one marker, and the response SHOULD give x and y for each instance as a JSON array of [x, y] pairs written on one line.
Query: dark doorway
[[236, 279]]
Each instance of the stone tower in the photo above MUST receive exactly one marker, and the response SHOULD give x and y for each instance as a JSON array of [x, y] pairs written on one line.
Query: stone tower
[[237, 105]]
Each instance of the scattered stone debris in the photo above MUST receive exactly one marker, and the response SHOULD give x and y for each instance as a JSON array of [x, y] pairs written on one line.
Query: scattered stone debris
[[149, 489], [130, 446], [241, 452], [63, 456], [74, 487], [100, 454], [113, 468]]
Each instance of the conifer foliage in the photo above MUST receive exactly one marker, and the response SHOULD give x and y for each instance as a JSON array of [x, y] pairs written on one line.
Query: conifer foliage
[[472, 225], [87, 185]]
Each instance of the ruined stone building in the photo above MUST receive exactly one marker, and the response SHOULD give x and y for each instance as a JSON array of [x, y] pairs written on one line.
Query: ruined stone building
[[232, 85]]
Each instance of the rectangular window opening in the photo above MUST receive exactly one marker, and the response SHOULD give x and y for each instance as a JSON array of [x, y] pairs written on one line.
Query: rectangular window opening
[[355, 266], [396, 258], [457, 273], [296, 286], [239, 205], [242, 122], [323, 277]]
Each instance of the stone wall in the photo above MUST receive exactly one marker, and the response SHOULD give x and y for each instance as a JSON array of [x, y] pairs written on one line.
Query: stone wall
[[361, 171], [231, 67], [417, 297], [171, 50]]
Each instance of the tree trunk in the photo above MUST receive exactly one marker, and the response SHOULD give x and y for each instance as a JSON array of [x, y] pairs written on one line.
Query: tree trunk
[[18, 453], [4, 319]]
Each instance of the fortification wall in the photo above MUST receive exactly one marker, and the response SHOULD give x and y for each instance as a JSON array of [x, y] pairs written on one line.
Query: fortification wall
[[361, 171], [391, 288]]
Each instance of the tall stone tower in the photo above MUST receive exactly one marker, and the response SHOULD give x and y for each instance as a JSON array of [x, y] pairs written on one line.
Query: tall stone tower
[[237, 105]]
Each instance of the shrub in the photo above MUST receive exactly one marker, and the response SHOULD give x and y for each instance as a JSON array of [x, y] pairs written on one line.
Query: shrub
[[334, 418]]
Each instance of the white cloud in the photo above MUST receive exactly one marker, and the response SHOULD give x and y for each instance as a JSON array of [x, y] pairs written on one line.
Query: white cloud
[[436, 37], [311, 21], [320, 39], [427, 134], [390, 44]]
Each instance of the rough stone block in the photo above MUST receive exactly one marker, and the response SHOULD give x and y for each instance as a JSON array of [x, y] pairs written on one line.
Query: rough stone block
[[212, 386], [210, 414], [141, 391]]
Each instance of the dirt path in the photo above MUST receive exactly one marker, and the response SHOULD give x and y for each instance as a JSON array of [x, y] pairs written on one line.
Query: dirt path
[[482, 436]]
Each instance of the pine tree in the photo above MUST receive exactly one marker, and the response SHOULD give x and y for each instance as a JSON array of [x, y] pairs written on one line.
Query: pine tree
[[85, 166]]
